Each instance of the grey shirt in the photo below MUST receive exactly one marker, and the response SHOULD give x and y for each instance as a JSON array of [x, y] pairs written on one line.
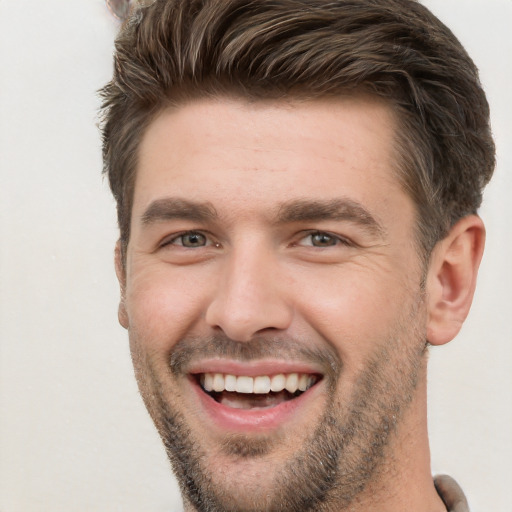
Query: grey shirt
[[451, 494]]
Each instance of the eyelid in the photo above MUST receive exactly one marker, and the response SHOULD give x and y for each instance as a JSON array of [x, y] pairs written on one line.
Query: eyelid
[[170, 239], [341, 240]]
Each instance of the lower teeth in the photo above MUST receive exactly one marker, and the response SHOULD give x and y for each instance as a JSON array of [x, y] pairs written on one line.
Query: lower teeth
[[253, 401]]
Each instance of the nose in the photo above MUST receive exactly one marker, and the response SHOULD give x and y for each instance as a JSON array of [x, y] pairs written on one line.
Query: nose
[[251, 297]]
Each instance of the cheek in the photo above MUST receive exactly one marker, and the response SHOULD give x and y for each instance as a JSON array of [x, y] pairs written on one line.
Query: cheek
[[355, 311], [163, 306]]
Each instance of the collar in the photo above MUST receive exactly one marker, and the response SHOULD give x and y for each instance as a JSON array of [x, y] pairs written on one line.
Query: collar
[[451, 494]]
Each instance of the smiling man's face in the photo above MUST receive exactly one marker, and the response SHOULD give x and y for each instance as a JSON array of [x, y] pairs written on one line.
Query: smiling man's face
[[273, 294]]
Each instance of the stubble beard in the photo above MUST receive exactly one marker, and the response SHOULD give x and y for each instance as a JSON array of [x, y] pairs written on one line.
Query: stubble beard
[[345, 452]]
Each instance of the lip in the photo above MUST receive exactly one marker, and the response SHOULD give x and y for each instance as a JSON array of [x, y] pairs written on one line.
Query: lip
[[228, 419], [252, 369]]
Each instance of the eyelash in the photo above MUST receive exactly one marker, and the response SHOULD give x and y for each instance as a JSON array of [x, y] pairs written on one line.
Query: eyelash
[[338, 240], [174, 238]]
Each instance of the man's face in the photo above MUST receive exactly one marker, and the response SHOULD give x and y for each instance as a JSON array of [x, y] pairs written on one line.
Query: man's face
[[273, 296]]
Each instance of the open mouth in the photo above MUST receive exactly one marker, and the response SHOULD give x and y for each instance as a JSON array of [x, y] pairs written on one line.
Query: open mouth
[[260, 392]]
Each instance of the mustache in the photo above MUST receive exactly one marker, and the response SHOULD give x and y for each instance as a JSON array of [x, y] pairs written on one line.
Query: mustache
[[192, 348]]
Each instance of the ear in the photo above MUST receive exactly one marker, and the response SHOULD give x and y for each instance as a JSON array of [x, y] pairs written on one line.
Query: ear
[[451, 278], [121, 277]]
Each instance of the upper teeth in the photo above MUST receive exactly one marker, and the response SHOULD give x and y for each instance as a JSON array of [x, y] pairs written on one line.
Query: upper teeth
[[292, 382]]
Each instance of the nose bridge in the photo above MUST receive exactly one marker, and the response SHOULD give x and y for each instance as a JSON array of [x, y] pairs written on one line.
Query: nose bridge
[[250, 296]]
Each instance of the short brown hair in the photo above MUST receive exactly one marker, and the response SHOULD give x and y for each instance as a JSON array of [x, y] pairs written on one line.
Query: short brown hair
[[175, 50]]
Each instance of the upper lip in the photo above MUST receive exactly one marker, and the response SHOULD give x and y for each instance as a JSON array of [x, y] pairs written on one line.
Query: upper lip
[[252, 368]]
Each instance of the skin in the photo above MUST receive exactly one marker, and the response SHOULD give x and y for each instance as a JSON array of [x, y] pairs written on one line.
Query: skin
[[271, 276]]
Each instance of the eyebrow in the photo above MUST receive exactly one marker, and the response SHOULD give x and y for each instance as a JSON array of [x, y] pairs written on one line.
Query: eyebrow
[[340, 209], [175, 208], [296, 210]]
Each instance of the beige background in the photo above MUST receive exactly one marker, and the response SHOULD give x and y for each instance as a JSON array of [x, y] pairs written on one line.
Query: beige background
[[74, 436]]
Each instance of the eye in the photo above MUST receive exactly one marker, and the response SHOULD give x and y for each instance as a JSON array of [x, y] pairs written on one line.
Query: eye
[[190, 240], [322, 239]]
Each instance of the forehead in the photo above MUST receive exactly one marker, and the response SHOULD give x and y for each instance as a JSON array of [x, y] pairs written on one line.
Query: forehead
[[244, 157]]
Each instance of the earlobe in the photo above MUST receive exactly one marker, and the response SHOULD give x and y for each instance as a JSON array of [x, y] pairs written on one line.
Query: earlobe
[[121, 277], [451, 279]]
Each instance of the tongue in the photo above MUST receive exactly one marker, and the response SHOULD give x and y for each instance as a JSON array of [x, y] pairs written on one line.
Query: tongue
[[252, 401]]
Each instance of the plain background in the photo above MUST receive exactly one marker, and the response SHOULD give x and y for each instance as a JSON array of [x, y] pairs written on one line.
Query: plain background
[[74, 435]]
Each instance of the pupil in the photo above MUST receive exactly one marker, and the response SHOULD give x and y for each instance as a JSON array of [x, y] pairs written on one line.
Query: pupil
[[322, 239], [193, 240]]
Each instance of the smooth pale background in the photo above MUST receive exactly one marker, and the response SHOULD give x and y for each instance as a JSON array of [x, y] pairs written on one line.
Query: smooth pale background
[[74, 435]]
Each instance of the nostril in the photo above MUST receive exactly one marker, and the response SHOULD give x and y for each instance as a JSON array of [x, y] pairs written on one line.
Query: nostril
[[241, 322]]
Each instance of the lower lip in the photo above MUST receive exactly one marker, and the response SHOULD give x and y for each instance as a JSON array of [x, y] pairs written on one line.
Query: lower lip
[[253, 420]]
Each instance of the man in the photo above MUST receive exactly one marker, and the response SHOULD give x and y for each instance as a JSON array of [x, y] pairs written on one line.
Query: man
[[297, 185]]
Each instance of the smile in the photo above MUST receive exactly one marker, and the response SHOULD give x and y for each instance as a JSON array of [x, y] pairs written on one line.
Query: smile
[[291, 382], [259, 392]]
